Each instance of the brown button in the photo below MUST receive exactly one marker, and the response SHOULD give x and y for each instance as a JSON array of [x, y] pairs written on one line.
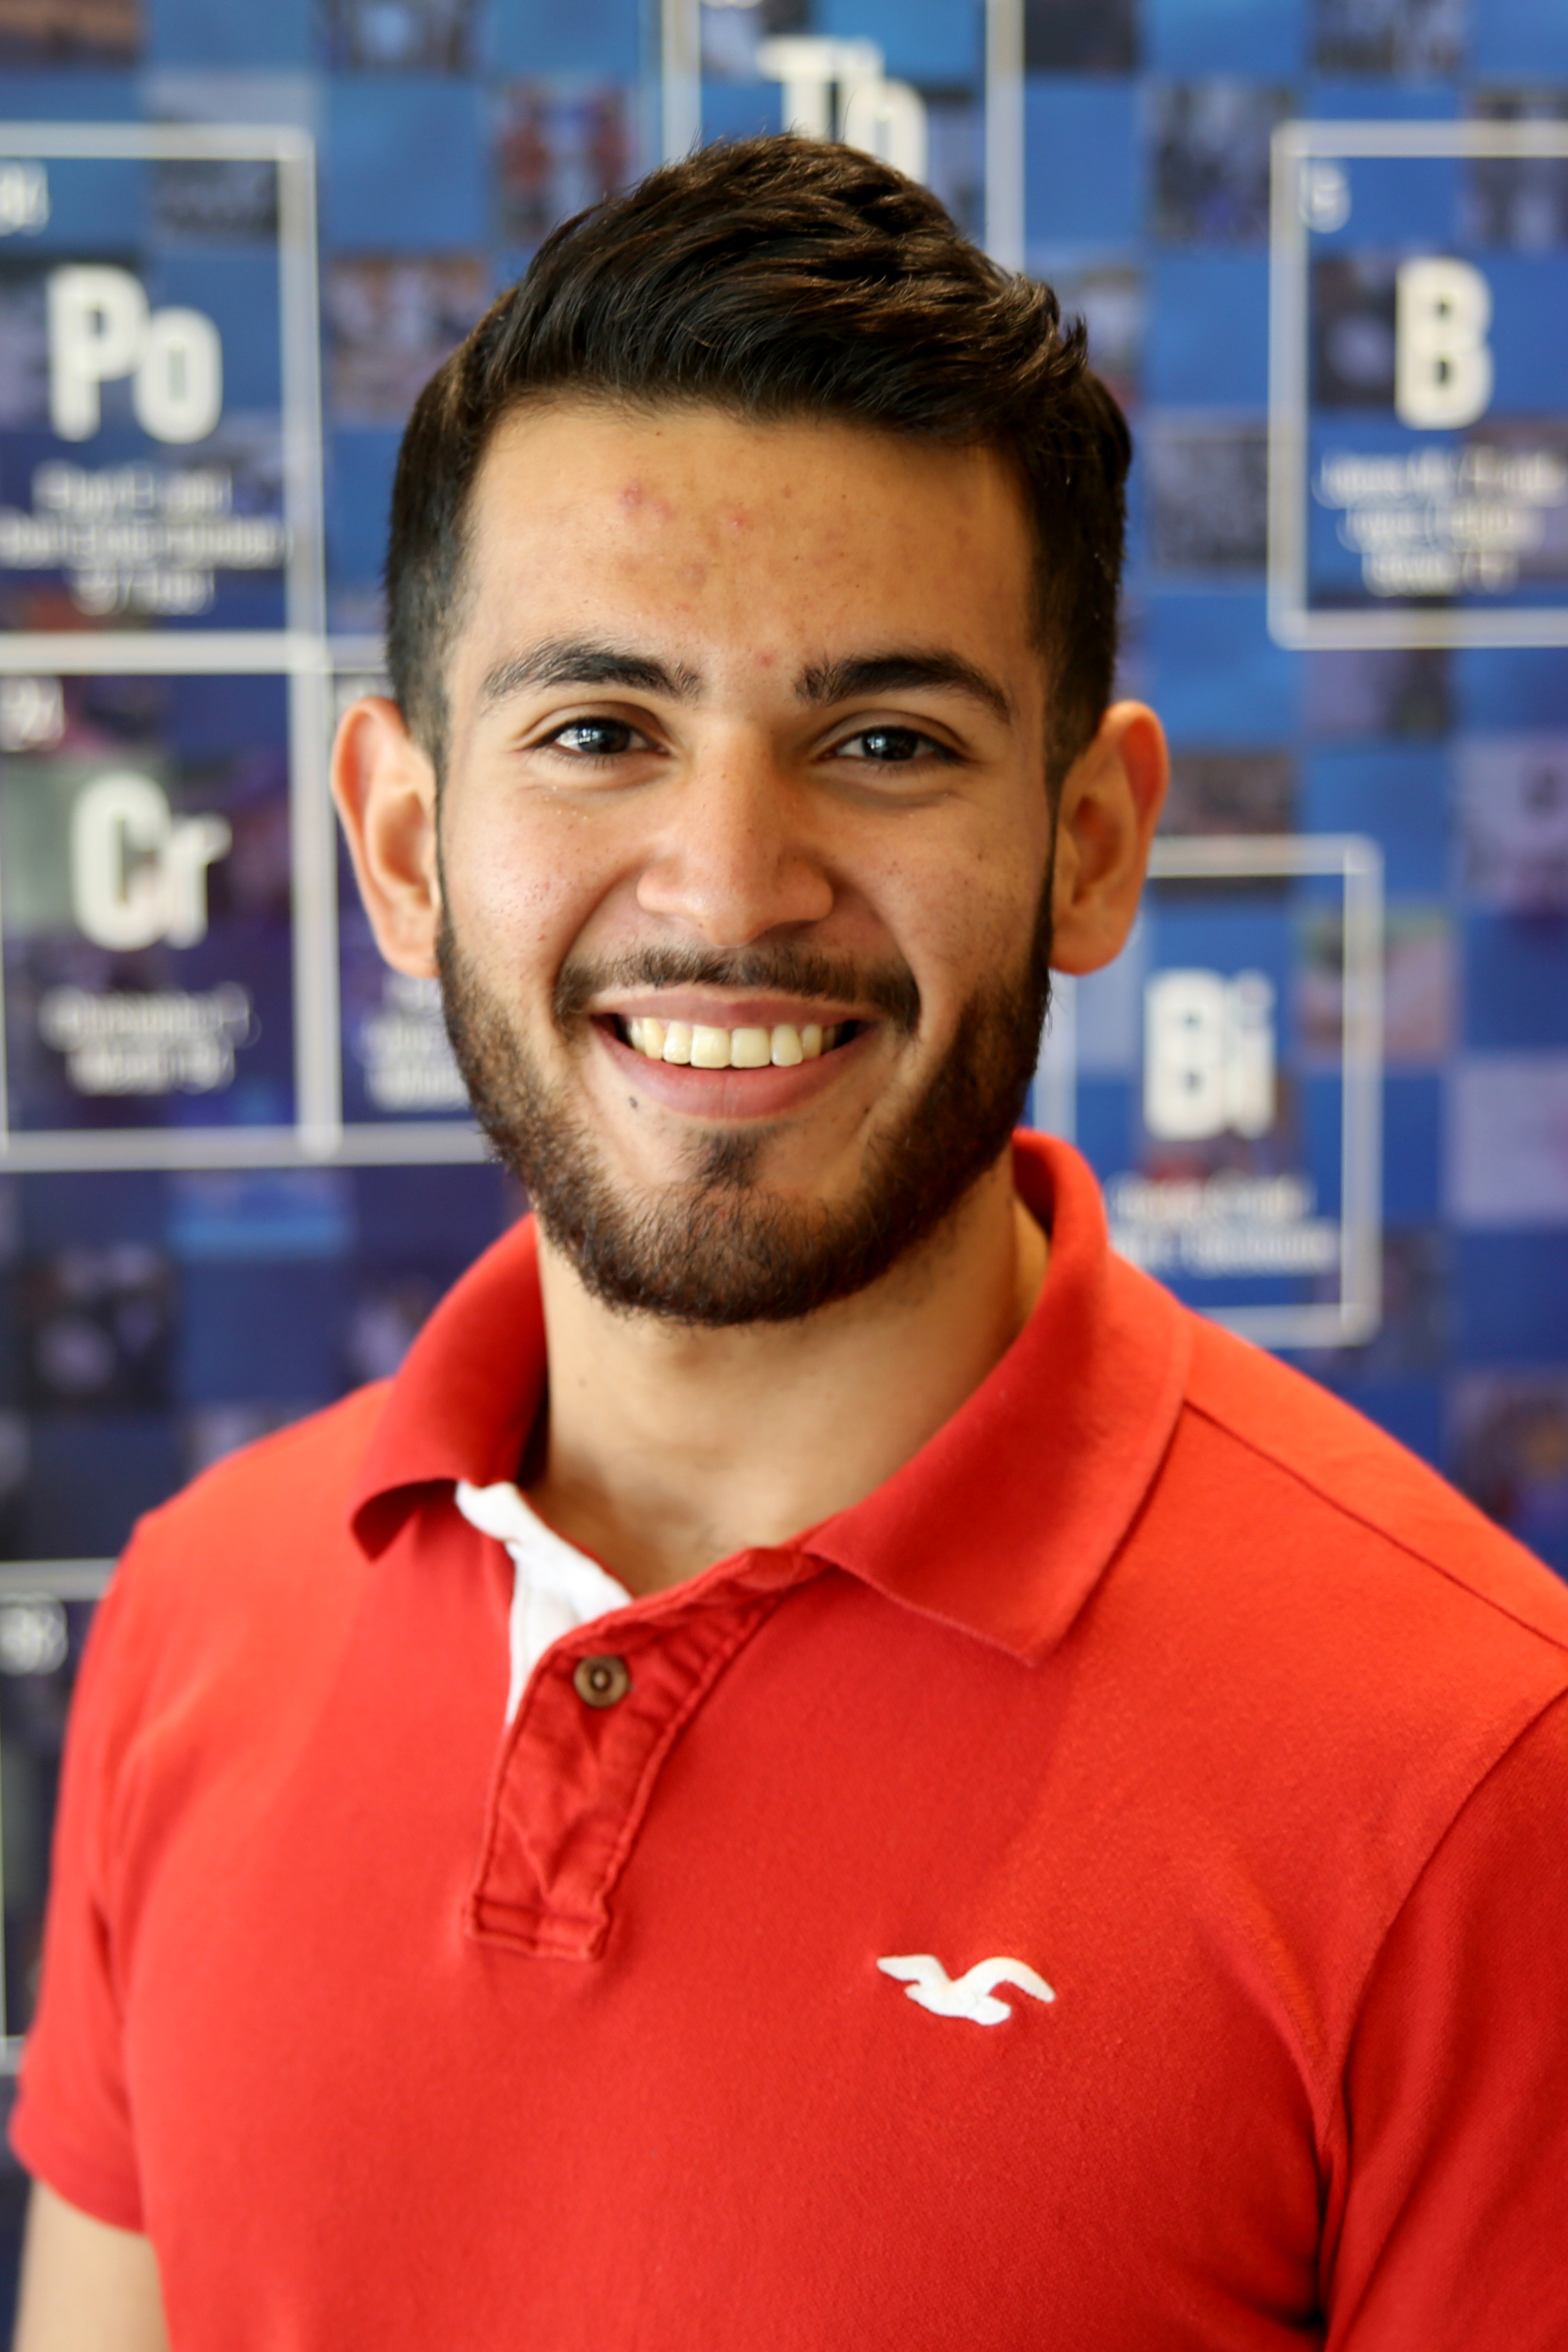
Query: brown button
[[600, 1682]]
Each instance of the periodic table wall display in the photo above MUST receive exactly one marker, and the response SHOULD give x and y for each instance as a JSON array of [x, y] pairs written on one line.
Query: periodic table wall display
[[145, 878], [917, 93], [1420, 454], [167, 958], [1224, 1073], [1322, 252], [159, 417]]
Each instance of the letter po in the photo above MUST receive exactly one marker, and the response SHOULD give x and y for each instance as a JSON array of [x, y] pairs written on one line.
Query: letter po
[[101, 329]]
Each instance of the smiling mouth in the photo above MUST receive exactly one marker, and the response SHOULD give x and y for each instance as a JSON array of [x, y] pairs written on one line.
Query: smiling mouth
[[694, 1044]]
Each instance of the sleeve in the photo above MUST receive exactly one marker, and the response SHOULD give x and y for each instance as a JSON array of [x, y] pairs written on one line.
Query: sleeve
[[71, 2122], [1452, 2233]]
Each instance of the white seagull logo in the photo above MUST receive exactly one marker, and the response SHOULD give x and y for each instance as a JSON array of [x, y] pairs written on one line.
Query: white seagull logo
[[971, 1995]]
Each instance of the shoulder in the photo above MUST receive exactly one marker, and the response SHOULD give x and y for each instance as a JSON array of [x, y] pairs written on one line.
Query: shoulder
[[285, 1478], [1343, 1648], [1368, 1638], [257, 1548], [1355, 1498]]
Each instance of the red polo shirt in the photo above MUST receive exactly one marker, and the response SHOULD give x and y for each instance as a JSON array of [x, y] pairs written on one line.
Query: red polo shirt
[[1157, 1679]]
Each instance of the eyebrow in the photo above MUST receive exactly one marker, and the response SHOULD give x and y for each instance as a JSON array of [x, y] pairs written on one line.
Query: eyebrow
[[898, 673], [587, 662]]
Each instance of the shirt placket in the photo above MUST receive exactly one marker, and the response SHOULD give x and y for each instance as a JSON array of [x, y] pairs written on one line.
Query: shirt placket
[[580, 1762]]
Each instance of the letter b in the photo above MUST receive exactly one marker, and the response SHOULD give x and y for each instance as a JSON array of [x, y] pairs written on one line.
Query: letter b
[[1442, 362]]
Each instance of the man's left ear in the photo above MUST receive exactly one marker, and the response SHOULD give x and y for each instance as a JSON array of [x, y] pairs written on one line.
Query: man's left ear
[[1109, 804]]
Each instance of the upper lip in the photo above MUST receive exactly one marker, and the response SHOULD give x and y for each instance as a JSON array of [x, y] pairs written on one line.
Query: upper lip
[[727, 1012]]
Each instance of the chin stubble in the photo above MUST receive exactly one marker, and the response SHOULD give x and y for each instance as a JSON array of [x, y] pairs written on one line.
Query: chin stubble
[[717, 1247]]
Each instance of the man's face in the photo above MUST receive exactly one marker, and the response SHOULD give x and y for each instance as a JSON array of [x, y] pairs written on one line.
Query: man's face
[[745, 843]]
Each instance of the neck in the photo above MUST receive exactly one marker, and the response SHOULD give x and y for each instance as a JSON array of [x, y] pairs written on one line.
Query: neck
[[669, 1448]]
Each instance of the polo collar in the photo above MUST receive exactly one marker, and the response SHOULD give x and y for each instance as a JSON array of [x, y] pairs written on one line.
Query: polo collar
[[467, 1393], [1002, 1523], [1005, 1519]]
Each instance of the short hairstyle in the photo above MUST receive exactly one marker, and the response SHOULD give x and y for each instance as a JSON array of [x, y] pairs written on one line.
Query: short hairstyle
[[776, 278]]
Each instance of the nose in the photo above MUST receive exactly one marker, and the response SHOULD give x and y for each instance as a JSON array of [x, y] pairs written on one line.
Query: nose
[[734, 859]]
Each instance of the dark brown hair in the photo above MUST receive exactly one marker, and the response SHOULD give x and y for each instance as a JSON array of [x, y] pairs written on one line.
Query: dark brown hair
[[774, 278]]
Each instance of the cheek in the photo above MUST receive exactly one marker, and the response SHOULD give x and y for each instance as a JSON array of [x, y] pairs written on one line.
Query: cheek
[[970, 915], [519, 890]]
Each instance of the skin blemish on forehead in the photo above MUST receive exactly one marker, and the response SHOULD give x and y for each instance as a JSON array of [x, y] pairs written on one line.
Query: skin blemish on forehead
[[636, 496]]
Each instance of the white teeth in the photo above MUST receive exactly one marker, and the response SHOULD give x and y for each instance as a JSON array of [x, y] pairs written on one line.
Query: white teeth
[[707, 1049]]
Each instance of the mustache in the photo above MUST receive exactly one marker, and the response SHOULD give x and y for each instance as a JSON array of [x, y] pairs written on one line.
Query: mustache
[[784, 970]]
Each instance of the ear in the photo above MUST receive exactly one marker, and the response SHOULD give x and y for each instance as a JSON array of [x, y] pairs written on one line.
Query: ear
[[1109, 804], [384, 786]]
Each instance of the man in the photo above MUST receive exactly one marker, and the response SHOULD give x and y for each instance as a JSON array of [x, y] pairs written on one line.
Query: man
[[826, 1767]]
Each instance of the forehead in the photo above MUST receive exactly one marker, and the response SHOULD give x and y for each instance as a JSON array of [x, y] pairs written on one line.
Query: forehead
[[782, 535]]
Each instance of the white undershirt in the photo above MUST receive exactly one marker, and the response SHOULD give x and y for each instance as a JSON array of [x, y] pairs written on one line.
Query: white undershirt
[[556, 1589]]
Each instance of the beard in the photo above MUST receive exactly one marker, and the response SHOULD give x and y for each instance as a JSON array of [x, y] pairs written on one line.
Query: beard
[[718, 1247]]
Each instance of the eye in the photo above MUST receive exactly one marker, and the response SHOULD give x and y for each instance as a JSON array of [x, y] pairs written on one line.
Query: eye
[[893, 747], [596, 739]]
